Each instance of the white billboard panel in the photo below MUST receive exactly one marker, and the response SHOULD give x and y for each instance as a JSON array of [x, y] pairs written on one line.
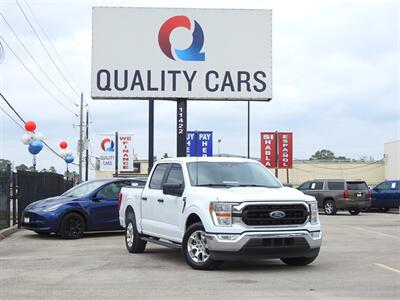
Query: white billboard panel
[[169, 53]]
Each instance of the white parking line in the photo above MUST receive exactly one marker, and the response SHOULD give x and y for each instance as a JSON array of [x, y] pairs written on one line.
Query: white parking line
[[373, 231], [387, 267]]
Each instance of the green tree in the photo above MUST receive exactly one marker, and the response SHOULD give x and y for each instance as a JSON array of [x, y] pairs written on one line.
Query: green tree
[[325, 154], [165, 155], [52, 170], [21, 167], [4, 163], [32, 169]]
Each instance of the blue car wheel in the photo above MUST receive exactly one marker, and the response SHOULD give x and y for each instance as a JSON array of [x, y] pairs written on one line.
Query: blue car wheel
[[72, 226]]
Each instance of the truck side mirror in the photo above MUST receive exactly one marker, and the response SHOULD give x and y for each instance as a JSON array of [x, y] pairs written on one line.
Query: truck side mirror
[[173, 189]]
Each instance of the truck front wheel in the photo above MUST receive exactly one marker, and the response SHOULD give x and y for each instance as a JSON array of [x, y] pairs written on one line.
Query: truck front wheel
[[133, 242], [195, 249]]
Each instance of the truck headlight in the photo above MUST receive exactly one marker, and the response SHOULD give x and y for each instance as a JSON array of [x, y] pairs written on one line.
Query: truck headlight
[[314, 213], [221, 213]]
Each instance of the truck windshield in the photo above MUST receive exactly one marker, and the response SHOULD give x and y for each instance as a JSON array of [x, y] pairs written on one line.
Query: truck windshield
[[230, 174]]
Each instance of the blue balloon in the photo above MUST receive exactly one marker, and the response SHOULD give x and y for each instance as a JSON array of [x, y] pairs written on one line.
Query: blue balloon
[[35, 147], [69, 159]]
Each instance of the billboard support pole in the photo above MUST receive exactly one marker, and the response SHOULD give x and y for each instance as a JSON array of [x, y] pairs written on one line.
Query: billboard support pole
[[116, 154], [276, 154], [181, 116], [151, 135], [248, 129], [287, 175]]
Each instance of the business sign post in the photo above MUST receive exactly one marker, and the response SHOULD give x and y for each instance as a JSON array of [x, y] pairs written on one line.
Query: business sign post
[[116, 152], [199, 143], [181, 54], [277, 150]]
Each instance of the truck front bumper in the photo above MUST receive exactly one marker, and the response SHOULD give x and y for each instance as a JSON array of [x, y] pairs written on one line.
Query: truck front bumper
[[266, 244]]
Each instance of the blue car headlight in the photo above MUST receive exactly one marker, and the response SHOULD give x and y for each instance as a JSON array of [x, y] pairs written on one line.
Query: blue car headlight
[[53, 207]]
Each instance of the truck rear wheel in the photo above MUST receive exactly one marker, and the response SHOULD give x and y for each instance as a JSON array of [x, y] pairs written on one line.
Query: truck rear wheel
[[133, 240], [298, 261], [354, 211], [195, 249]]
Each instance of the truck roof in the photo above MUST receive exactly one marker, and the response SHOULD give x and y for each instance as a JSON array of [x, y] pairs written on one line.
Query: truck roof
[[202, 159]]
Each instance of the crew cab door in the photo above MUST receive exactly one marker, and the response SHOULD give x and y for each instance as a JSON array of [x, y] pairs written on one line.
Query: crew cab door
[[172, 205], [151, 200]]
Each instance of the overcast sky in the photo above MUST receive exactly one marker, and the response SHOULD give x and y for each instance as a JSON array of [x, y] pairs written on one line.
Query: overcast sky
[[336, 81]]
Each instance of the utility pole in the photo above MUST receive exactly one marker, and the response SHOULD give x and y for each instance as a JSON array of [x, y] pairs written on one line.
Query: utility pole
[[87, 146], [80, 144]]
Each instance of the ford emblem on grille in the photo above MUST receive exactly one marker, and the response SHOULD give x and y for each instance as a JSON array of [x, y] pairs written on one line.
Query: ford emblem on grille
[[277, 214]]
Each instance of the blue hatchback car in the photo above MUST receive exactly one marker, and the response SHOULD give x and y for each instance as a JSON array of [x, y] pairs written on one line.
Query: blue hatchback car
[[89, 206], [386, 195]]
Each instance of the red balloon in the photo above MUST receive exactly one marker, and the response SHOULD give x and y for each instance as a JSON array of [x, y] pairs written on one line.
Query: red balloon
[[30, 126], [63, 144]]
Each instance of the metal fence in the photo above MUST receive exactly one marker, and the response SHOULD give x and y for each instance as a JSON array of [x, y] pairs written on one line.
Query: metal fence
[[5, 196], [33, 186], [17, 190]]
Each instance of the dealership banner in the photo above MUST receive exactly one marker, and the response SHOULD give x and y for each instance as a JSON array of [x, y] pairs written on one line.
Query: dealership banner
[[164, 53], [285, 150], [108, 149], [277, 150], [199, 143], [268, 149]]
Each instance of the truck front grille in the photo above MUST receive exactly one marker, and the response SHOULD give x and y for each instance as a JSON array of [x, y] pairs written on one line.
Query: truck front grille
[[260, 214]]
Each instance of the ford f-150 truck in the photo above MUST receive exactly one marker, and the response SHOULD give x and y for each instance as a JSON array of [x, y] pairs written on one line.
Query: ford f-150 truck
[[219, 209]]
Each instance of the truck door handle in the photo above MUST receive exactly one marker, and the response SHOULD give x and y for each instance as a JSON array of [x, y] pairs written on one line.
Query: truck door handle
[[161, 200], [144, 198]]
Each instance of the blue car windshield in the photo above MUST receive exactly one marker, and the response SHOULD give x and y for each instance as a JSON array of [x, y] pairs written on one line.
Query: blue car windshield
[[83, 189]]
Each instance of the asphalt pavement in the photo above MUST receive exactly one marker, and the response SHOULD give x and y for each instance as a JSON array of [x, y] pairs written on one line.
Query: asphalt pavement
[[359, 259]]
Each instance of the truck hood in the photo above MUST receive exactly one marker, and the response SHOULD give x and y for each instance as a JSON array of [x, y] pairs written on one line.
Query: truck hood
[[248, 194]]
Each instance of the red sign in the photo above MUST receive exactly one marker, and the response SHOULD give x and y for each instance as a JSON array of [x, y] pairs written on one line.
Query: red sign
[[268, 149], [285, 150]]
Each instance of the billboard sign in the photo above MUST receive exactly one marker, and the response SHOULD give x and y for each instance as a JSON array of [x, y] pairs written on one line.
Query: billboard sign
[[165, 53], [203, 140], [277, 150], [108, 149]]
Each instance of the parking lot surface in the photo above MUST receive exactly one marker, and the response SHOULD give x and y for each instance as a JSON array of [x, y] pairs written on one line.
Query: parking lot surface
[[359, 258]]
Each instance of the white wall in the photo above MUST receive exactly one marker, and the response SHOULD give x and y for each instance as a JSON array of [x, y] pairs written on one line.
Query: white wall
[[392, 160]]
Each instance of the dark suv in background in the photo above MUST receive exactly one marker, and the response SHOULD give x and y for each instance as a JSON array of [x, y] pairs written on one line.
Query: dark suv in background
[[335, 194]]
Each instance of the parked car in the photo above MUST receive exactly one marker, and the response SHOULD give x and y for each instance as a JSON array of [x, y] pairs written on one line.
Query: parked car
[[386, 195], [218, 209], [89, 206], [337, 194]]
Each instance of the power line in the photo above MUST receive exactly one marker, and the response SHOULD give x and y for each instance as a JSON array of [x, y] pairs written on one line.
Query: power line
[[51, 45], [35, 61], [23, 121], [45, 49], [36, 79]]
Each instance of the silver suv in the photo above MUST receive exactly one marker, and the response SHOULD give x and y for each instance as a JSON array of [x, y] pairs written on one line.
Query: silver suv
[[335, 194]]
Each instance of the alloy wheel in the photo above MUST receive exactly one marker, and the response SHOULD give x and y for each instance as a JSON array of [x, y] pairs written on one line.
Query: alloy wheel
[[197, 247]]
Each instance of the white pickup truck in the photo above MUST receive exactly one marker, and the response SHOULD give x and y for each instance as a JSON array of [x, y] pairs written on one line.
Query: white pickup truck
[[219, 209]]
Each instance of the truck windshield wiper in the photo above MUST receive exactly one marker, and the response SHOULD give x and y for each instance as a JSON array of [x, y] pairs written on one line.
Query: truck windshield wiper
[[216, 184]]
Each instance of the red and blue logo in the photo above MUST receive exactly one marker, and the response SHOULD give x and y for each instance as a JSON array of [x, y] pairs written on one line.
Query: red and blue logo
[[193, 53], [107, 145]]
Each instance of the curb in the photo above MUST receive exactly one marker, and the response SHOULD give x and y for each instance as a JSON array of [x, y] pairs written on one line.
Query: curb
[[8, 231]]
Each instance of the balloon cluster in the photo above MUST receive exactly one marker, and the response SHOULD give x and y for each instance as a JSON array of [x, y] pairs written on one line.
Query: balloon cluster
[[34, 140], [64, 153]]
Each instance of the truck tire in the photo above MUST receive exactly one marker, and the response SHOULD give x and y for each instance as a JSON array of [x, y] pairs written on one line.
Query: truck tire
[[330, 207], [133, 241], [354, 211], [72, 226], [195, 249], [298, 261]]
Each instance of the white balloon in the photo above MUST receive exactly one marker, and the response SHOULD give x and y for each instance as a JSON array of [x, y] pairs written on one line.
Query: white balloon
[[68, 152], [38, 136], [63, 153], [27, 139]]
